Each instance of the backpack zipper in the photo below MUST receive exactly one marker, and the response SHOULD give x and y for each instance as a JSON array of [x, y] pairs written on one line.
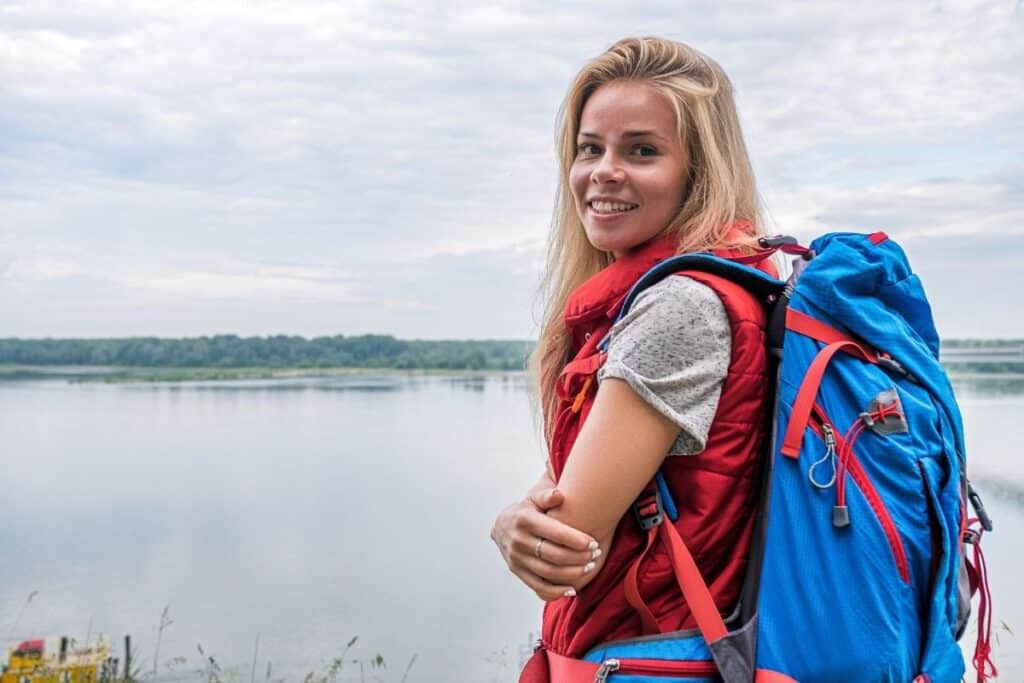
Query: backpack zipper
[[653, 667], [821, 426]]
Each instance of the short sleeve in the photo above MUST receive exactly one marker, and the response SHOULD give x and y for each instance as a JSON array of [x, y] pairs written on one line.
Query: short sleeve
[[673, 348]]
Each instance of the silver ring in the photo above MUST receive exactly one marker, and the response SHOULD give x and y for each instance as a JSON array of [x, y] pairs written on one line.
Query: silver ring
[[536, 551]]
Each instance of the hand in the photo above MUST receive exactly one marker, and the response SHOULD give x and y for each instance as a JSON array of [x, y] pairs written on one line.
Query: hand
[[567, 556]]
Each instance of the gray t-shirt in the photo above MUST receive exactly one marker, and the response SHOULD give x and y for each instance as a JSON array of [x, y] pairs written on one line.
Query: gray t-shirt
[[673, 347]]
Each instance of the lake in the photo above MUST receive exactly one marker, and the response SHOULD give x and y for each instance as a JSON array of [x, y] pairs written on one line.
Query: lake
[[307, 512]]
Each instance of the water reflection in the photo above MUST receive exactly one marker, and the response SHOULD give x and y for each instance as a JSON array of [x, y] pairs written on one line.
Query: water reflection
[[310, 510]]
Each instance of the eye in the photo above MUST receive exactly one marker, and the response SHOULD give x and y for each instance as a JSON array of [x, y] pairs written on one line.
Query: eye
[[645, 150], [587, 148]]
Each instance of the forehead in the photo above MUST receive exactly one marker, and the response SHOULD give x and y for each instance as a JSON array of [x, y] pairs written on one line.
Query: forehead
[[627, 105]]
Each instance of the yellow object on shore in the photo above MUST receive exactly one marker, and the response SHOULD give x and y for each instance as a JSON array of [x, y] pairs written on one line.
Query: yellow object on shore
[[37, 661]]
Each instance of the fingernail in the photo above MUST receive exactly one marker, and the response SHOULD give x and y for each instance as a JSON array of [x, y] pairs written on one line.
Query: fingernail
[[571, 593], [593, 545], [595, 553], [588, 567]]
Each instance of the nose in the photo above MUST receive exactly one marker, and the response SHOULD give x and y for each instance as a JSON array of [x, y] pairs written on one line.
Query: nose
[[607, 170]]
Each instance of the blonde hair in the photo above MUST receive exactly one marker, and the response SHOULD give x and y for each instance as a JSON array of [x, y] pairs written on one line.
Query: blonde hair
[[720, 188]]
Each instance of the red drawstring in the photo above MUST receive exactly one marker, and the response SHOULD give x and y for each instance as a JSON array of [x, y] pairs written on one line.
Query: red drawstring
[[983, 663], [845, 452], [885, 411], [850, 438]]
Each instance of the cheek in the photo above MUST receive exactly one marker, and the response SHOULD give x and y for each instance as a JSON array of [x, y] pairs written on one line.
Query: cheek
[[578, 182], [668, 191]]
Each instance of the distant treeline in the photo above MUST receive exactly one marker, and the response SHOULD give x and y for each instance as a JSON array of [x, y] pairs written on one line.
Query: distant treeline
[[982, 343], [231, 351], [365, 351]]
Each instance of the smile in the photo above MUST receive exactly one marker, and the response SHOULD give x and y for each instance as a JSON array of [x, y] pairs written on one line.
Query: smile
[[611, 207]]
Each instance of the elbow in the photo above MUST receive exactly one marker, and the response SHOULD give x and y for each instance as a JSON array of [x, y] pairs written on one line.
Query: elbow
[[589, 519]]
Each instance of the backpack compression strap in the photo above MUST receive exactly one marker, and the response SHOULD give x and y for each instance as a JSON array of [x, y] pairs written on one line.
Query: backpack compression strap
[[651, 516]]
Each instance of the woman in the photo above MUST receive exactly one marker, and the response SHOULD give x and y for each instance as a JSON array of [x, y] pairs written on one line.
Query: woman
[[653, 163]]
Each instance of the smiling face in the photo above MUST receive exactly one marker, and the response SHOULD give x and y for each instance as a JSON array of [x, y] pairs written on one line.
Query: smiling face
[[629, 173]]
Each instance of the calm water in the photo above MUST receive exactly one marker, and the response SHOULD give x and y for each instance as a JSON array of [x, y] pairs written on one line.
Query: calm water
[[312, 511]]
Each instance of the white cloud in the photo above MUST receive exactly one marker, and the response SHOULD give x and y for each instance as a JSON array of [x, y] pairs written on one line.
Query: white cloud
[[235, 280], [908, 211], [364, 137]]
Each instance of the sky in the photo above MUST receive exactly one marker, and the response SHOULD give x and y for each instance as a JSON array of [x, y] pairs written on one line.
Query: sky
[[315, 168]]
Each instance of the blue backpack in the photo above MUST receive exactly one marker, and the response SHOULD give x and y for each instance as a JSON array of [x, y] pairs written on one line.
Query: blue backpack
[[858, 569]]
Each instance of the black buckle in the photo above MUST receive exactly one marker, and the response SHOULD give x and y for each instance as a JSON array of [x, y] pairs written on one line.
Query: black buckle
[[979, 507], [776, 241], [649, 511]]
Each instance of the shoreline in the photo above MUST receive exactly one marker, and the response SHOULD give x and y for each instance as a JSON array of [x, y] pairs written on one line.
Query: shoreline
[[140, 374]]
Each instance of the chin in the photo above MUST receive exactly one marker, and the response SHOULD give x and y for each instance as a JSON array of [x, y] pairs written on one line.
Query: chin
[[615, 244]]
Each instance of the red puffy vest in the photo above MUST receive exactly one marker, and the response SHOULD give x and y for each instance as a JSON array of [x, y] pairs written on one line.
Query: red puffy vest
[[715, 491]]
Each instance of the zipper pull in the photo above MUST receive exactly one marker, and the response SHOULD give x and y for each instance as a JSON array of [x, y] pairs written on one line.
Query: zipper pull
[[830, 436], [830, 455], [606, 669]]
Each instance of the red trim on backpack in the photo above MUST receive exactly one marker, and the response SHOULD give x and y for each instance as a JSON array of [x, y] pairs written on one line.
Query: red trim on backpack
[[561, 669], [878, 237], [769, 676]]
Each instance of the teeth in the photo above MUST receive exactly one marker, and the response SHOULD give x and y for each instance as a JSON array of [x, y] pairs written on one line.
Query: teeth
[[611, 207]]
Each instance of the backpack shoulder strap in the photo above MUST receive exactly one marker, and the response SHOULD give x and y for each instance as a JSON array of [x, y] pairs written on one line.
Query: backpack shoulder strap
[[760, 284]]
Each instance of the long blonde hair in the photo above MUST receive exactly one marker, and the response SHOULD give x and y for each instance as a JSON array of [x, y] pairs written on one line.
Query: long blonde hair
[[720, 188]]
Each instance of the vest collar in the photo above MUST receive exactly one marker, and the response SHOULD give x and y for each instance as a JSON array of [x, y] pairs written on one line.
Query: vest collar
[[603, 292]]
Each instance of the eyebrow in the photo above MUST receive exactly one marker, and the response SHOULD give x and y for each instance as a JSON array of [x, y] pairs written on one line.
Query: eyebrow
[[627, 134]]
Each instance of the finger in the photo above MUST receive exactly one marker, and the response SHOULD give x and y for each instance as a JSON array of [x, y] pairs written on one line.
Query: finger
[[545, 590], [552, 573], [551, 552], [546, 499], [555, 554], [549, 528]]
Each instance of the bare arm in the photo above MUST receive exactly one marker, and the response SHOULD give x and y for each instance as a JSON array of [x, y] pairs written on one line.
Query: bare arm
[[618, 451]]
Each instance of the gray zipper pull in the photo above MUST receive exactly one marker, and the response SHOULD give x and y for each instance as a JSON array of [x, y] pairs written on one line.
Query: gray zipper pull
[[607, 667], [830, 455]]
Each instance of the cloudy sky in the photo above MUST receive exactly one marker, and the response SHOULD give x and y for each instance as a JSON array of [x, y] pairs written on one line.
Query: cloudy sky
[[178, 168]]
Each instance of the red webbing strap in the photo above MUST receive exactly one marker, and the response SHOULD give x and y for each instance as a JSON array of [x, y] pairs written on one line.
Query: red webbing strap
[[695, 590], [761, 254], [632, 589], [769, 676], [688, 577], [814, 328], [569, 670], [808, 392]]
